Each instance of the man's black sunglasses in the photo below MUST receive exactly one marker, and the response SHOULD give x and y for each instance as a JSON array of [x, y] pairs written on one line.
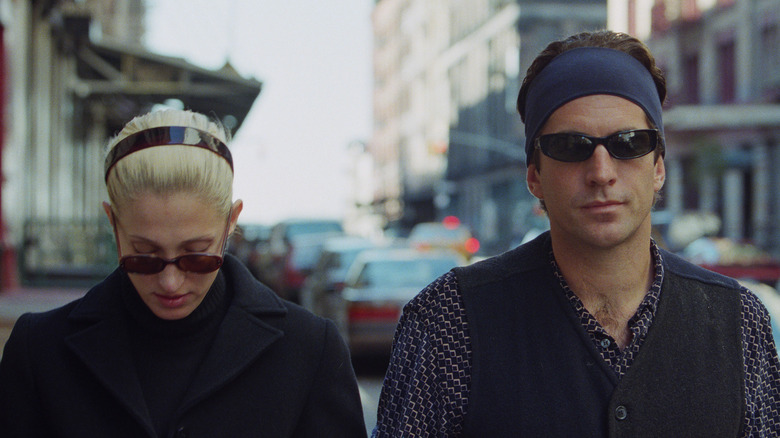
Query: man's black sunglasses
[[623, 145]]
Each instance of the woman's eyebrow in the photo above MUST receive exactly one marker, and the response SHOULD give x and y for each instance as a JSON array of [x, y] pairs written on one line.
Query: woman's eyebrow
[[143, 239]]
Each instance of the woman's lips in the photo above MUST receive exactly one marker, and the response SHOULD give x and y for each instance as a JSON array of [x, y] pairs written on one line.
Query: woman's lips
[[171, 301]]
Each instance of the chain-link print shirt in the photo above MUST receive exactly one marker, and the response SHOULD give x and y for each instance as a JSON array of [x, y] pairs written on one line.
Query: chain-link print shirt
[[426, 388]]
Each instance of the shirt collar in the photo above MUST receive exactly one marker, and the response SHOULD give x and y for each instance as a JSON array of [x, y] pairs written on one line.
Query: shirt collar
[[645, 313]]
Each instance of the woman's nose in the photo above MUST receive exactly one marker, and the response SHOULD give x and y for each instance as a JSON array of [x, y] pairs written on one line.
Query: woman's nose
[[171, 278]]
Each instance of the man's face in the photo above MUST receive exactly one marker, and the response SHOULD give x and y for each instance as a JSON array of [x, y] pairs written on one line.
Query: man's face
[[600, 202]]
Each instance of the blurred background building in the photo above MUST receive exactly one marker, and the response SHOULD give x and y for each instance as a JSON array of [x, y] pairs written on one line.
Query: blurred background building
[[445, 126], [73, 73], [446, 137], [722, 118], [446, 131]]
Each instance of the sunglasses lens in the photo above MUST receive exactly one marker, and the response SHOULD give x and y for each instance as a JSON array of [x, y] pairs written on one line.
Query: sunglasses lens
[[632, 144], [566, 147], [200, 263], [574, 147], [139, 264], [147, 265]]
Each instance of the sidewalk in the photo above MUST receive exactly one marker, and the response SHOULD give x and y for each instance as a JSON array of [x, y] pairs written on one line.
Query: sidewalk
[[15, 302]]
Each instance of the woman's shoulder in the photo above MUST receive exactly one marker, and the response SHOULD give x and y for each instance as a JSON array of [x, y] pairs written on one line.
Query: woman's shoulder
[[49, 318], [303, 325], [304, 317], [256, 298], [42, 333]]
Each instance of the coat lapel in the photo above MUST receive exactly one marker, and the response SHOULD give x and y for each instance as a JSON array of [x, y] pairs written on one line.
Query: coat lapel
[[243, 336], [245, 333], [104, 348]]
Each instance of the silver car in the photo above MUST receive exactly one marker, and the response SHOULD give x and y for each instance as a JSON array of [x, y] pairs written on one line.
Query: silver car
[[378, 285]]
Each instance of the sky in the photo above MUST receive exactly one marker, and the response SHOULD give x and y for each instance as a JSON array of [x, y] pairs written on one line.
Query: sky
[[314, 60]]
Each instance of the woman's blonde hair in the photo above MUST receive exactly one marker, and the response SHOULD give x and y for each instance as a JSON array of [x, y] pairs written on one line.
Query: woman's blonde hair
[[172, 168]]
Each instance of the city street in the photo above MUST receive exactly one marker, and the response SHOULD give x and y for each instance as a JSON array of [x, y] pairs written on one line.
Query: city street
[[15, 302], [369, 395], [370, 374]]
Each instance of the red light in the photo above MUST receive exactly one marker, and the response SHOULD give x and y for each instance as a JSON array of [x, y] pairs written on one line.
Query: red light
[[363, 313], [472, 245], [451, 222], [293, 278]]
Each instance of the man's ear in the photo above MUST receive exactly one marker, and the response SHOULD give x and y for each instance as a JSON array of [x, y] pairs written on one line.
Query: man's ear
[[660, 174], [533, 181]]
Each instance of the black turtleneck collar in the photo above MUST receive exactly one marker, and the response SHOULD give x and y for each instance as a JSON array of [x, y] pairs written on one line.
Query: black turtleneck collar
[[207, 314]]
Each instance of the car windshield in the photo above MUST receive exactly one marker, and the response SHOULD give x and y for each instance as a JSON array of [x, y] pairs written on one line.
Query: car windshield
[[342, 260], [437, 232], [298, 229], [305, 256], [404, 273]]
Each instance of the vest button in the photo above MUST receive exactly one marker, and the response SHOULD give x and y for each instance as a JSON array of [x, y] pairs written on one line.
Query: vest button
[[605, 343], [621, 412]]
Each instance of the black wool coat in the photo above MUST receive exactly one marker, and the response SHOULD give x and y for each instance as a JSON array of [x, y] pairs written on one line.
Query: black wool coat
[[274, 370]]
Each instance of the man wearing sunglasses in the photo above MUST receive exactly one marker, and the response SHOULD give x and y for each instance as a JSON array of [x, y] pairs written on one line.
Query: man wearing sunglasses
[[590, 329]]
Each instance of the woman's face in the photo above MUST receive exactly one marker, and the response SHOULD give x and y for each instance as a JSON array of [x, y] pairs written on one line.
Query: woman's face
[[168, 226]]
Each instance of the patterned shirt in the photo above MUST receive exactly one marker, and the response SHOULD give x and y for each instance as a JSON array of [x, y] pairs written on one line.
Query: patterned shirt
[[426, 388], [617, 359]]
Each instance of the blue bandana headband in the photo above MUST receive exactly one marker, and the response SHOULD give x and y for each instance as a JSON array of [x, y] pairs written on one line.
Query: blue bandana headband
[[586, 71]]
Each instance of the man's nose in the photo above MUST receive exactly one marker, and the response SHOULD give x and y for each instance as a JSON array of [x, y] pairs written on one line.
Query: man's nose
[[601, 167]]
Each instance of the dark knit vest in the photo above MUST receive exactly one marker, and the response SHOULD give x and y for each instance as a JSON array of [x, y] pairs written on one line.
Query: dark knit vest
[[536, 372]]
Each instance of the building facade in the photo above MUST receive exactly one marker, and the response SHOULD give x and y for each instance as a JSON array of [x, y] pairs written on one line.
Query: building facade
[[722, 119], [446, 132], [67, 91]]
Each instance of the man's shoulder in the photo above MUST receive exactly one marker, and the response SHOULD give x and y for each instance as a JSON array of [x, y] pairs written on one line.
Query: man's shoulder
[[524, 258], [676, 265]]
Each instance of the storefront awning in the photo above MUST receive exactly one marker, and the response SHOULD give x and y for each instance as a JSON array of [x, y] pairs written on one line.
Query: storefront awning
[[130, 80]]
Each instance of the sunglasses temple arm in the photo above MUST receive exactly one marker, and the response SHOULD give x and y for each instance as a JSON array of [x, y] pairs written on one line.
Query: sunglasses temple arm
[[116, 235], [226, 234]]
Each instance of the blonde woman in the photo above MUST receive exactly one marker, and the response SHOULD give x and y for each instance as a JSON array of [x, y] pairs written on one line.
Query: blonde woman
[[180, 340]]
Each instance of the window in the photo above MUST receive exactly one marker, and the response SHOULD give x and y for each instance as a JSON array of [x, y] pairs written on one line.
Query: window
[[726, 71], [690, 87], [770, 58]]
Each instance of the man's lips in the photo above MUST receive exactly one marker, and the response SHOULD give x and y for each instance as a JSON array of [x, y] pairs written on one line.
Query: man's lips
[[601, 205]]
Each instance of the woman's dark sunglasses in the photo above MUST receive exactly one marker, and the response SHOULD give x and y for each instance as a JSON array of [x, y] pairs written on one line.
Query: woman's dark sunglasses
[[623, 145], [199, 263]]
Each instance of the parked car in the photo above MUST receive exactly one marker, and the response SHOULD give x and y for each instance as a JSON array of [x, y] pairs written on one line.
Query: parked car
[[378, 285], [326, 280], [249, 244], [449, 233], [293, 248]]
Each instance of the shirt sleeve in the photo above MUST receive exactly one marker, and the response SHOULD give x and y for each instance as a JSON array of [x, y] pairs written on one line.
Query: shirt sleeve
[[762, 370], [425, 389]]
